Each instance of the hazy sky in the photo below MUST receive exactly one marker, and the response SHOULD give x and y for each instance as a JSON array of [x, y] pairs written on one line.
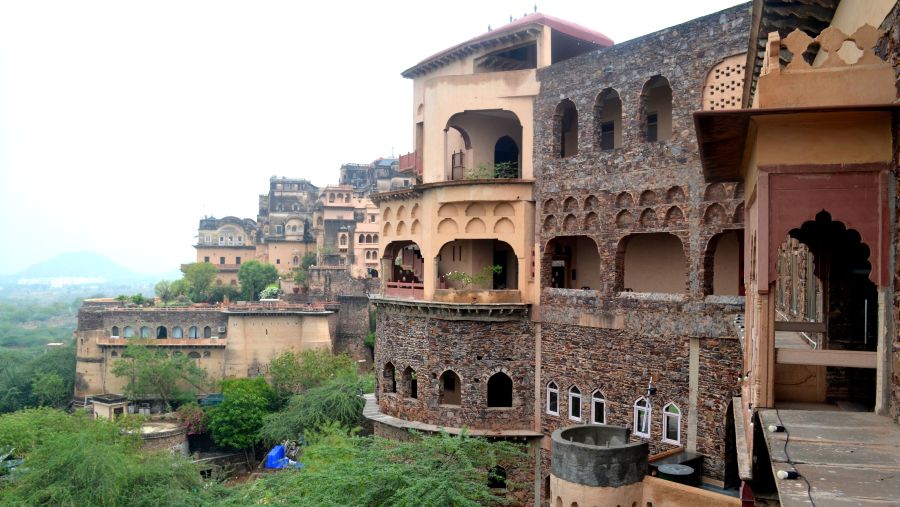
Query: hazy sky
[[122, 123]]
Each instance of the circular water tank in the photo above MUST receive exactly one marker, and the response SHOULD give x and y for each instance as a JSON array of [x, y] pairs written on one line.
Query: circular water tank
[[676, 473]]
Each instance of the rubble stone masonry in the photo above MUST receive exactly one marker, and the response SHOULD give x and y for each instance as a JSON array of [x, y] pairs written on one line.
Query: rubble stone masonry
[[641, 187]]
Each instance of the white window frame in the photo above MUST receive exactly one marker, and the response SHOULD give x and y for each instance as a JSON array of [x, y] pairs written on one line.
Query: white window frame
[[647, 409], [553, 389], [665, 416], [572, 396], [595, 397]]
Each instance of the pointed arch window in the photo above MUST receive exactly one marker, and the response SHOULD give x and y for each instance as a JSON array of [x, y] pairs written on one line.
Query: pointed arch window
[[598, 408], [552, 399], [389, 378], [671, 422], [642, 418], [574, 403], [499, 390]]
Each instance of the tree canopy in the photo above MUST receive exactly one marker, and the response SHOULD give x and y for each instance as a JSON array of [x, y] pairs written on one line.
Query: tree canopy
[[152, 372], [236, 421], [198, 278], [294, 372], [254, 277], [340, 469]]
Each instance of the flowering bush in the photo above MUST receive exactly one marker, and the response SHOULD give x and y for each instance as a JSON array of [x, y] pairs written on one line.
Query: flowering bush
[[193, 419]]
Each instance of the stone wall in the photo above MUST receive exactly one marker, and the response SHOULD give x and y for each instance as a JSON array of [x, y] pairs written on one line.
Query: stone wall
[[168, 317], [474, 348], [613, 341], [352, 328]]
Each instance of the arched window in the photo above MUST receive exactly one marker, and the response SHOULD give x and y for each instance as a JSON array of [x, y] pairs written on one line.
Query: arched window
[[206, 353], [115, 332], [574, 404], [552, 399], [114, 354], [319, 221], [347, 198], [362, 238], [598, 408], [410, 383], [389, 378], [296, 260], [177, 332], [566, 122], [656, 109], [671, 422], [374, 238], [451, 390], [128, 332], [145, 332], [192, 332], [207, 332], [608, 120], [642, 418], [368, 238], [162, 332], [331, 197], [343, 240], [499, 390], [194, 355]]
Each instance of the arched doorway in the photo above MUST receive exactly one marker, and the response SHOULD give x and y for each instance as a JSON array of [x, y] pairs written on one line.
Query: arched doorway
[[506, 158]]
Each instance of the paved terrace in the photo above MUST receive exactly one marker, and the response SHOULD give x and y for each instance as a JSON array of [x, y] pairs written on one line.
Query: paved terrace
[[849, 458]]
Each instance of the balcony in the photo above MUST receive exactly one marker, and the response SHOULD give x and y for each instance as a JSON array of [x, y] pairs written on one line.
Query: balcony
[[405, 290]]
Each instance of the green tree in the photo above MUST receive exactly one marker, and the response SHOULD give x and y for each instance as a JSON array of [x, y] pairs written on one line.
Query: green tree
[[153, 373], [294, 372], [74, 460], [218, 293], [430, 471], [338, 401], [236, 421], [49, 389], [163, 289], [199, 277], [309, 259], [254, 277]]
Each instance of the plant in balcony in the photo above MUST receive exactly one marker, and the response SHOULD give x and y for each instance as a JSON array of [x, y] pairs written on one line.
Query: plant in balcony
[[270, 292], [503, 170], [465, 280]]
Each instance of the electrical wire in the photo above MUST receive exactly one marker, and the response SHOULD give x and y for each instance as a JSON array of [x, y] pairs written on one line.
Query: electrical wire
[[787, 438]]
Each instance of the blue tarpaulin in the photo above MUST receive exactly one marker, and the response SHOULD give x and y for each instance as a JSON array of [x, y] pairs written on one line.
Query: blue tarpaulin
[[276, 459]]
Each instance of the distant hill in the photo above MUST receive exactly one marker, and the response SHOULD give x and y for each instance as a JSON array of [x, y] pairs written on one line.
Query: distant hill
[[77, 265]]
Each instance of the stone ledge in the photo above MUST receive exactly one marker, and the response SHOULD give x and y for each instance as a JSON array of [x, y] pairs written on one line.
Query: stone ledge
[[372, 412], [495, 312]]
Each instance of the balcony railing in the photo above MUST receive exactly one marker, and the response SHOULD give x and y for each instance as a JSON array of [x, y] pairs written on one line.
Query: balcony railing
[[409, 290]]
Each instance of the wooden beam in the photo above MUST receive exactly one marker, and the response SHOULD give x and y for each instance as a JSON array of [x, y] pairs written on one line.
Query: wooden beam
[[845, 358], [809, 327]]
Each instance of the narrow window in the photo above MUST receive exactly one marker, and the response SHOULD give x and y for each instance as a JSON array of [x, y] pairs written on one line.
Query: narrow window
[[389, 377], [162, 332], [671, 424], [192, 332], [129, 332], [411, 383], [451, 392], [145, 332], [567, 128], [552, 399], [574, 404], [237, 260], [499, 390], [221, 260], [607, 135], [598, 408], [656, 109], [177, 332], [207, 332], [642, 418], [362, 238], [115, 332], [206, 259]]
